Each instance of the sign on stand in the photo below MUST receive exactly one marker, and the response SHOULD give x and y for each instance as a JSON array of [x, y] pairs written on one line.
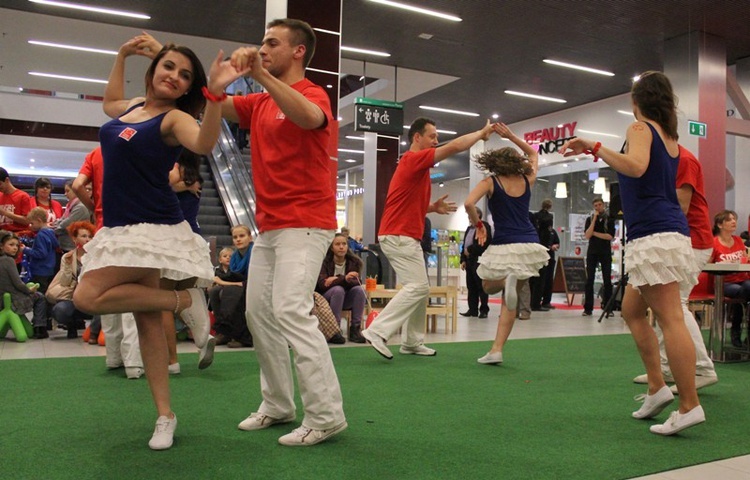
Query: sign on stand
[[378, 116]]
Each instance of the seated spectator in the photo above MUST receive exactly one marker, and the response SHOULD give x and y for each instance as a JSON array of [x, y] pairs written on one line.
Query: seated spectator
[[42, 198], [64, 311], [23, 298], [227, 297], [42, 256], [354, 245], [327, 323], [75, 211], [339, 283]]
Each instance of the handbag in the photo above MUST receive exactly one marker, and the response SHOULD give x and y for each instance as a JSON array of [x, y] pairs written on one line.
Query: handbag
[[56, 291], [327, 322]]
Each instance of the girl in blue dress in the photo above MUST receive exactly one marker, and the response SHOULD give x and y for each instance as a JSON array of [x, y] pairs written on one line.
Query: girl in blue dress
[[658, 255], [515, 253]]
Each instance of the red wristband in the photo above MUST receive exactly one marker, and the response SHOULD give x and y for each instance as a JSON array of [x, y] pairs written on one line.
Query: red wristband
[[594, 151], [213, 98], [479, 225]]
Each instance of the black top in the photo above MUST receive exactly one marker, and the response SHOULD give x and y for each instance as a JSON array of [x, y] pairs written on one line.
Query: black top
[[475, 250], [604, 224]]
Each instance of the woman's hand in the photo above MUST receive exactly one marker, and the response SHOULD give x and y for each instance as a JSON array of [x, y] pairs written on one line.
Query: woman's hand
[[329, 281], [481, 236], [147, 45], [502, 130], [576, 146], [221, 74], [351, 276]]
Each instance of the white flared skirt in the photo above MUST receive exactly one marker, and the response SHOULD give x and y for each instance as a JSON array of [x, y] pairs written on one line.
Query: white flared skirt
[[520, 259], [175, 250], [660, 259]]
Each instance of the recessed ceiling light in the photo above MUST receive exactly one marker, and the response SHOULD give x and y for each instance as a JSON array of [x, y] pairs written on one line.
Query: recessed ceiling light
[[72, 47], [495, 116], [322, 71], [578, 67], [66, 77], [425, 36], [352, 137], [326, 31], [351, 151], [403, 143], [537, 97], [329, 86], [87, 8], [447, 132], [636, 78], [412, 8], [625, 112], [598, 133], [365, 51], [350, 160], [448, 110], [32, 160]]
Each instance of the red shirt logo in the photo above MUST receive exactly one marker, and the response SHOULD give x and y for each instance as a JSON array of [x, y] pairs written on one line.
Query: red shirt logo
[[128, 133]]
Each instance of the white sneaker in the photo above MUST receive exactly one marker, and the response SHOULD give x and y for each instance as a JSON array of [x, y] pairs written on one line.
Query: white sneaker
[[700, 382], [259, 421], [174, 369], [206, 355], [509, 294], [377, 342], [304, 437], [163, 436], [679, 421], [196, 317], [418, 350], [491, 358], [114, 365], [134, 373], [653, 404], [643, 379]]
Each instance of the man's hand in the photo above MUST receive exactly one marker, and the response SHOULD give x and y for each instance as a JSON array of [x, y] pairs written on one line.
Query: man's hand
[[463, 265], [444, 208]]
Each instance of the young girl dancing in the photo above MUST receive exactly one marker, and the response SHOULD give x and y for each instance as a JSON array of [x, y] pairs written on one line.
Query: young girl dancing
[[145, 236], [515, 253]]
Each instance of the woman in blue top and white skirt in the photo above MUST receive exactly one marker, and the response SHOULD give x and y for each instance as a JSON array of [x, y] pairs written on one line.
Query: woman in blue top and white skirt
[[658, 255]]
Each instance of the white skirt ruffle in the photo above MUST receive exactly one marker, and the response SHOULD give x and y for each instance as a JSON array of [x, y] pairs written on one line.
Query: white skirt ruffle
[[520, 259], [660, 259], [175, 250]]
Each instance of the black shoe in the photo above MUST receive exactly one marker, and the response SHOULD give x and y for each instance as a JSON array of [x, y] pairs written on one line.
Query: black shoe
[[736, 341], [548, 306], [72, 333], [40, 333], [337, 339], [483, 315], [239, 344], [586, 313], [469, 314], [222, 339], [355, 336]]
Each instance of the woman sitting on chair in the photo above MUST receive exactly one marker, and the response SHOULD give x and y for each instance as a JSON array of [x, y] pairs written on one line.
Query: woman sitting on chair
[[339, 283]]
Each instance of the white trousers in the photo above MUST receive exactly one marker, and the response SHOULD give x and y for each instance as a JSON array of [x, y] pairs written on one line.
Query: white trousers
[[284, 268], [703, 363], [121, 337], [409, 305]]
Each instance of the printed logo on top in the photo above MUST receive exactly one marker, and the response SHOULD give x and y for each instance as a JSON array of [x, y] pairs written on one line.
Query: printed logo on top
[[552, 138], [128, 133]]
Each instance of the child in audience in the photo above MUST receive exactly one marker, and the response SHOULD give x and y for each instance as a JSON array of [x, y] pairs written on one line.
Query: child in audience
[[42, 255], [514, 252], [23, 298]]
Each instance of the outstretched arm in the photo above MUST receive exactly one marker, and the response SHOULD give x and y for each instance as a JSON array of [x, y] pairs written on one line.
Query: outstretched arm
[[532, 154], [115, 103], [633, 163], [463, 143], [441, 206]]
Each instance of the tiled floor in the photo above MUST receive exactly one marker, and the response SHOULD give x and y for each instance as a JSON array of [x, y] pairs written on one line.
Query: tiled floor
[[556, 323]]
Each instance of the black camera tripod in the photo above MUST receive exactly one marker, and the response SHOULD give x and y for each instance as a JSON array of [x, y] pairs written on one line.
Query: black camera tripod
[[608, 310]]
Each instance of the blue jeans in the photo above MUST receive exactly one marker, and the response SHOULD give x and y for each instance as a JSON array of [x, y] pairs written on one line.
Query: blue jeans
[[66, 313]]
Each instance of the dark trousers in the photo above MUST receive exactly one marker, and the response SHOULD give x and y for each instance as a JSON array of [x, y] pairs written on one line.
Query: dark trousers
[[228, 304], [474, 286], [541, 286], [549, 281], [592, 260]]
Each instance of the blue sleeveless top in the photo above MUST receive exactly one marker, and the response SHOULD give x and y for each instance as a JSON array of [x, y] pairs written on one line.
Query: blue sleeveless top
[[649, 203], [510, 216], [136, 174], [190, 204]]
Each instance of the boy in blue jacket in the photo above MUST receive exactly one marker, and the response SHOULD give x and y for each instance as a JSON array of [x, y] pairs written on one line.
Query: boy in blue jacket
[[43, 254]]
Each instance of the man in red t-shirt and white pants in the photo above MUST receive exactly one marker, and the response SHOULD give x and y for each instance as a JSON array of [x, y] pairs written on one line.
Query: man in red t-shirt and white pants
[[692, 198], [296, 214], [401, 230]]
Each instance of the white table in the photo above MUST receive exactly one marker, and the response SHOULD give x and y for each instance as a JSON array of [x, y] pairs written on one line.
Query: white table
[[716, 335]]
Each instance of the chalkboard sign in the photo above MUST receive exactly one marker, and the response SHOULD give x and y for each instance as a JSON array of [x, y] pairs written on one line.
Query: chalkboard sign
[[570, 276]]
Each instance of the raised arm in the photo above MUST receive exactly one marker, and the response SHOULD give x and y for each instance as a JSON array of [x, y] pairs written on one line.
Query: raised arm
[[633, 163], [482, 189], [532, 154], [462, 143], [115, 103]]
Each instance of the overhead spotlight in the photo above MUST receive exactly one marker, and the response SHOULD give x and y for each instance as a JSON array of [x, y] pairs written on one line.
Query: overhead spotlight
[[441, 184]]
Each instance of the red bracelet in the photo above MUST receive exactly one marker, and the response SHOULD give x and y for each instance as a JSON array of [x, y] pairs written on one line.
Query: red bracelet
[[213, 98], [479, 225], [594, 150]]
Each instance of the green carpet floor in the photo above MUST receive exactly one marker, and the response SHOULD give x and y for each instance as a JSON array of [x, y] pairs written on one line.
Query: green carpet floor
[[558, 408]]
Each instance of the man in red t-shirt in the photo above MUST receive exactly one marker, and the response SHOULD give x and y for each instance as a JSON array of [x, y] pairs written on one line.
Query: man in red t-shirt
[[692, 198], [15, 204], [296, 214], [91, 172], [401, 229]]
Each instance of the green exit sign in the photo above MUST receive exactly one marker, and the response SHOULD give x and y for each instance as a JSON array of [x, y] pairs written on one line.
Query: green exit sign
[[697, 128]]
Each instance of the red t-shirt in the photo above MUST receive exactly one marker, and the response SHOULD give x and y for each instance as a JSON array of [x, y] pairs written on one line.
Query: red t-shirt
[[291, 165], [408, 195], [734, 254], [93, 168], [690, 172], [17, 203], [54, 209]]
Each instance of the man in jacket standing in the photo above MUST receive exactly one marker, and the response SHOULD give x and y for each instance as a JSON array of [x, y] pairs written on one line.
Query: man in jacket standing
[[470, 253]]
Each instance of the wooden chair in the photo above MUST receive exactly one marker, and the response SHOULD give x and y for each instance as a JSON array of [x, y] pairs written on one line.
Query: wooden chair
[[447, 306]]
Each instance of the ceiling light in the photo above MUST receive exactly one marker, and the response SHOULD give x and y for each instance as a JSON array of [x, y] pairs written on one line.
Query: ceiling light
[[624, 112], [351, 151], [352, 137], [322, 71], [424, 11], [606, 196], [561, 191], [578, 67], [447, 132], [447, 110], [66, 77], [600, 186], [495, 116], [441, 184], [403, 143], [537, 97], [77, 6], [329, 86], [73, 47], [350, 160], [326, 31], [598, 133], [636, 78], [365, 51]]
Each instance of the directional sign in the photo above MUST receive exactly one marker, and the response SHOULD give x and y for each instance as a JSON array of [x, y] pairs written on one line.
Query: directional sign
[[378, 116], [697, 129]]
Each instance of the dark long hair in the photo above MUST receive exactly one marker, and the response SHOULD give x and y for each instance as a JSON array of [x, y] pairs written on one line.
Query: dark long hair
[[655, 98], [193, 101], [350, 257], [190, 163], [506, 161]]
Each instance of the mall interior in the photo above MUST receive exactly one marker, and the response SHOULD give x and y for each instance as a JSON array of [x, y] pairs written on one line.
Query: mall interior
[[549, 69]]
